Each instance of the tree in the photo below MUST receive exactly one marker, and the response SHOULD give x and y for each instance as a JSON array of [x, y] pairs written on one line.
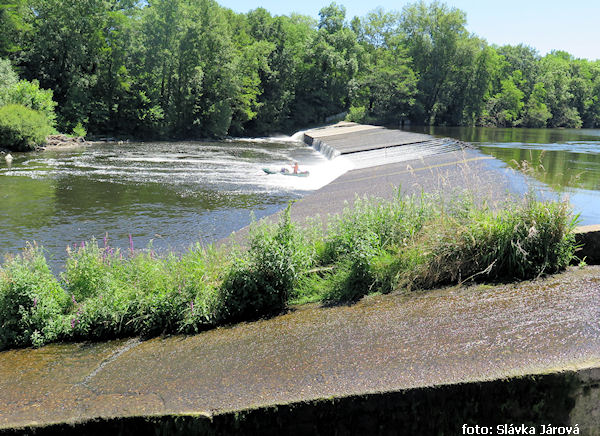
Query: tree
[[330, 64], [536, 112], [379, 29], [556, 77], [523, 58], [332, 18], [13, 25], [504, 109], [433, 34], [65, 52]]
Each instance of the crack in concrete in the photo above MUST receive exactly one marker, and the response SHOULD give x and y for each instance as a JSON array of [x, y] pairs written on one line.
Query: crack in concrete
[[114, 356]]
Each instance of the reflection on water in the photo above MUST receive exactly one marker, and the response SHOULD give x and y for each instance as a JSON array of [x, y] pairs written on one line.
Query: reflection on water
[[565, 161], [171, 193]]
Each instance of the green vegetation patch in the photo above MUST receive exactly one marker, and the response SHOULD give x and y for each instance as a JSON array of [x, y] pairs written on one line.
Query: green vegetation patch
[[375, 246], [21, 128]]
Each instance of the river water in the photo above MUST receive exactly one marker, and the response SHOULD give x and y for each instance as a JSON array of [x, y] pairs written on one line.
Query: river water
[[175, 194], [170, 194], [564, 162]]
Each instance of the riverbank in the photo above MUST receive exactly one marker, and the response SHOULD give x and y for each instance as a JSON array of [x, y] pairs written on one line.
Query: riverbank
[[58, 142]]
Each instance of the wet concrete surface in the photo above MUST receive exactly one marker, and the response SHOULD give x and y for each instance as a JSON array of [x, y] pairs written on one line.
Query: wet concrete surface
[[383, 343], [449, 174], [348, 137]]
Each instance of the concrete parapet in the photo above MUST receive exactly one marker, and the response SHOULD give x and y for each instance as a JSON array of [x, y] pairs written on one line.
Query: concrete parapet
[[540, 403], [588, 237]]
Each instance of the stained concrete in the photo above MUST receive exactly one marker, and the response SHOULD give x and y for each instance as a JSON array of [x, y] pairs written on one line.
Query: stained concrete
[[588, 237]]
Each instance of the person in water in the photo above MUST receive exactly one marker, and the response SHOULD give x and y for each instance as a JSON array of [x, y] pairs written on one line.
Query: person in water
[[295, 167]]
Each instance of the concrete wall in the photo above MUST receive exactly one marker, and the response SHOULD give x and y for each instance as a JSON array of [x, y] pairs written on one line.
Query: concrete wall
[[560, 399], [589, 238]]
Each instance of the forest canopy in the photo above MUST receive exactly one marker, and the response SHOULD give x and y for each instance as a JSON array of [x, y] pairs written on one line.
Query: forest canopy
[[194, 69]]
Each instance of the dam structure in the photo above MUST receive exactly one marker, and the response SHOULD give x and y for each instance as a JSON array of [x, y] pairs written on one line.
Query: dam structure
[[517, 354], [361, 142]]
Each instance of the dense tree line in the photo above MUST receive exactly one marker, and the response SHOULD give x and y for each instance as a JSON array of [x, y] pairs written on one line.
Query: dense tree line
[[191, 68]]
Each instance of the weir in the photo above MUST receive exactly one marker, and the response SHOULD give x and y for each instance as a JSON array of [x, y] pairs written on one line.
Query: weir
[[524, 353], [366, 146], [346, 138]]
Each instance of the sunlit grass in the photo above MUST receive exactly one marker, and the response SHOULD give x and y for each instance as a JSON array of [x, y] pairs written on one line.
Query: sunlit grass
[[373, 246]]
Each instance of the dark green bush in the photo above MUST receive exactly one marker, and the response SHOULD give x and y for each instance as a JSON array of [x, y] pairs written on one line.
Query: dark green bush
[[21, 128], [32, 301], [261, 283]]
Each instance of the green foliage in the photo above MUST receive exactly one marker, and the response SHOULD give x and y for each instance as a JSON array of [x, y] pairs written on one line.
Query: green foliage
[[29, 94], [504, 109], [434, 36], [21, 128], [521, 242], [22, 92], [374, 246], [176, 68], [14, 15], [79, 131], [260, 283], [31, 301], [536, 111], [357, 114], [8, 79]]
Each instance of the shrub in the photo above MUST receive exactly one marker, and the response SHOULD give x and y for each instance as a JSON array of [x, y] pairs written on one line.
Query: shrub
[[357, 114], [142, 293], [25, 93], [260, 283], [79, 131], [200, 272], [522, 241], [22, 129], [372, 224], [377, 246], [8, 78], [31, 301], [88, 270], [30, 95]]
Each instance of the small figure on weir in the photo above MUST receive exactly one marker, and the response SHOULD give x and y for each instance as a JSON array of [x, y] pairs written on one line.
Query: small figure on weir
[[295, 167]]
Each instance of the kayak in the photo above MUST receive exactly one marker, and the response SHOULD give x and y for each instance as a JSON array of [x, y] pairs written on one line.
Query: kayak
[[299, 174]]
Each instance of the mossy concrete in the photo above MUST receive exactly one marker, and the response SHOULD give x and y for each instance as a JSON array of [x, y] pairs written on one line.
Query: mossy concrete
[[467, 353]]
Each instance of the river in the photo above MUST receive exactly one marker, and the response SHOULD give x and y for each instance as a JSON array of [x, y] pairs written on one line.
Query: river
[[168, 194], [174, 194], [564, 162]]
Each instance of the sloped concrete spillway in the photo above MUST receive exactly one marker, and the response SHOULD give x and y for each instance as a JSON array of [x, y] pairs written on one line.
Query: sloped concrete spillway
[[418, 364], [362, 144]]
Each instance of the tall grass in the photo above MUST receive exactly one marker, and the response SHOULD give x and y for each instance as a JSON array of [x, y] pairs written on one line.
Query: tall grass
[[407, 243]]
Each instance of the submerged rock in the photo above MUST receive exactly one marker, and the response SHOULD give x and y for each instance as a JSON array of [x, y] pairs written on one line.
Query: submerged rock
[[62, 141]]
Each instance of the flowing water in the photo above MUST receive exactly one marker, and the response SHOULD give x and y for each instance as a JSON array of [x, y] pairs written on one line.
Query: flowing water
[[172, 194], [565, 162]]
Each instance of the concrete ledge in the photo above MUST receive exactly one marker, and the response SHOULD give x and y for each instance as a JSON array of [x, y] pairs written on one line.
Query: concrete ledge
[[563, 399], [589, 239], [346, 138]]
